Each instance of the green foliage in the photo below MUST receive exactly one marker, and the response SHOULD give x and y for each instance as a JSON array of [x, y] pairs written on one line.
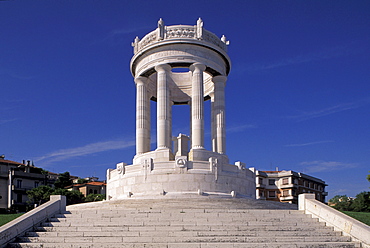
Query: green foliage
[[82, 181], [343, 203], [5, 218], [361, 203], [40, 194], [94, 197], [63, 181], [368, 177], [73, 196], [360, 216]]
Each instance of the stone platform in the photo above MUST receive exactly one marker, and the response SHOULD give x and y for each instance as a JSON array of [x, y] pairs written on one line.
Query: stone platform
[[184, 222], [154, 180]]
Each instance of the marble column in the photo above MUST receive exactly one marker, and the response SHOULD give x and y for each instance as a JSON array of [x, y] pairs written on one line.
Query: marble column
[[219, 113], [213, 123], [197, 106], [142, 116], [163, 107]]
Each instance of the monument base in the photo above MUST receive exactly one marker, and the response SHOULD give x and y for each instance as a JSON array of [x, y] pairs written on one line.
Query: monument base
[[150, 178]]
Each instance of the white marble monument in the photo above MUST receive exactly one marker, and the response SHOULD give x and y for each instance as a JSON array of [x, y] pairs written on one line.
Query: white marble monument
[[172, 168]]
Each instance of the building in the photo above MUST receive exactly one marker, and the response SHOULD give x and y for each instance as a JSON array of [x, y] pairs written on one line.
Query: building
[[285, 186], [89, 188], [15, 180]]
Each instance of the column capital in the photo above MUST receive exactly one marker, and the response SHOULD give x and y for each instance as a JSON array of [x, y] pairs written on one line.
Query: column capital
[[219, 79], [197, 66], [162, 67], [140, 80]]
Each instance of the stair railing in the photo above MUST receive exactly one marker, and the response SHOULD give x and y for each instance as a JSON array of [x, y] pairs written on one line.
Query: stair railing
[[19, 226], [357, 230]]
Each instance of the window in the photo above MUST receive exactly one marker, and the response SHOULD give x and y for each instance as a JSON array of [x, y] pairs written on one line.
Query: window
[[285, 181], [19, 198], [90, 191], [36, 184], [19, 183], [260, 180], [272, 194], [306, 184], [285, 193], [271, 181], [95, 191]]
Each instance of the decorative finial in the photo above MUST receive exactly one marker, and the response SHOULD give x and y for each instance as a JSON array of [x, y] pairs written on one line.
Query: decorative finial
[[223, 39], [199, 29], [135, 44], [160, 29]]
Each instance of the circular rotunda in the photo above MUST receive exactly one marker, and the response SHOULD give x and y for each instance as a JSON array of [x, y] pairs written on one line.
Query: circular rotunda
[[180, 166]]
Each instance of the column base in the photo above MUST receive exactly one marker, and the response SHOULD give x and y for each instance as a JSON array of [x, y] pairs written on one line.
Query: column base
[[159, 155], [199, 154]]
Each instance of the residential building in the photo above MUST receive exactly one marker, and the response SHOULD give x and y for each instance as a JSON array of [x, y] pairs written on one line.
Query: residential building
[[285, 186], [15, 180], [89, 188]]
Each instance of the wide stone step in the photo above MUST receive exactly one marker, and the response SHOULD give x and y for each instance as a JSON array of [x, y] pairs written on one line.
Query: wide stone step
[[175, 223], [185, 210], [179, 219], [182, 239], [177, 233], [121, 214], [182, 214], [191, 245], [245, 228]]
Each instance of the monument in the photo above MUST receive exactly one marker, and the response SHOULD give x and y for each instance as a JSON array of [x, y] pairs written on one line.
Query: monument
[[180, 166]]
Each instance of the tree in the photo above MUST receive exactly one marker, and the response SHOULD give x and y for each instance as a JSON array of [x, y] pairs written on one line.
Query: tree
[[63, 180], [368, 177], [40, 194], [82, 181], [73, 196], [94, 197], [341, 202], [362, 202]]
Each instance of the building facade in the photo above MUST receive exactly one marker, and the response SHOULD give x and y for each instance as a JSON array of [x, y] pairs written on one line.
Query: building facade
[[285, 186], [90, 188], [15, 180]]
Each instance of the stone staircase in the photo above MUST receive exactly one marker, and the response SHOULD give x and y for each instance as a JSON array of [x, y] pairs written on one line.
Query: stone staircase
[[192, 222]]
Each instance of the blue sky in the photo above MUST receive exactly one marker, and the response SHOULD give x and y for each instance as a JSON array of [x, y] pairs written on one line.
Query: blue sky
[[297, 97]]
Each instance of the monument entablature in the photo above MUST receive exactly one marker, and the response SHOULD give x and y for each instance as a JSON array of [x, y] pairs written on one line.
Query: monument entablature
[[180, 164], [180, 46]]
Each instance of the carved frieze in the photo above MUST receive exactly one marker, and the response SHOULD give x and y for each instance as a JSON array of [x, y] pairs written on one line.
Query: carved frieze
[[180, 32], [196, 32]]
